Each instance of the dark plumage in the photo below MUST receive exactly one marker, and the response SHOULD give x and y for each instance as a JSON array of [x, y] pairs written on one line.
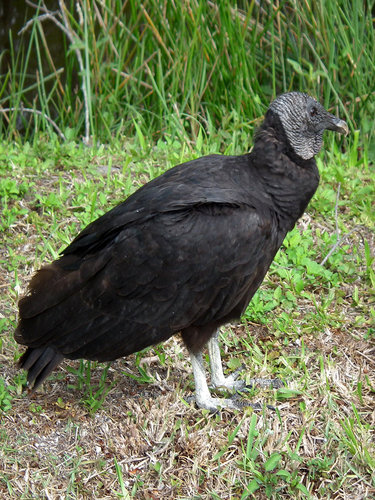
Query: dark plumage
[[185, 253]]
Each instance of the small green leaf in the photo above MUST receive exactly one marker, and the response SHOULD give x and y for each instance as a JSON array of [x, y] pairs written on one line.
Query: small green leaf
[[299, 286], [272, 462], [313, 267], [284, 474], [303, 488], [277, 293], [253, 486], [285, 393], [234, 363]]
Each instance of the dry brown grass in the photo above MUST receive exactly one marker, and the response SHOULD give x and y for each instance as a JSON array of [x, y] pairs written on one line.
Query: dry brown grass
[[146, 436], [52, 447]]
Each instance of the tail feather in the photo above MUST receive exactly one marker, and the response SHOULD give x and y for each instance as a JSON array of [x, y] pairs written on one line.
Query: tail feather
[[39, 362], [54, 307], [53, 283]]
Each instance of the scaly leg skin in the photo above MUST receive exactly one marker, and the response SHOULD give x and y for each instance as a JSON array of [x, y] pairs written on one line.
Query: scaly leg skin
[[218, 380], [203, 397]]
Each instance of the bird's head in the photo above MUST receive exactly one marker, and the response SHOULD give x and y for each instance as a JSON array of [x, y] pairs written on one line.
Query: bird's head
[[304, 120]]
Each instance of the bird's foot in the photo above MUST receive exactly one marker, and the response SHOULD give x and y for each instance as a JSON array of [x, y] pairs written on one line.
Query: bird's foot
[[218, 381], [274, 383], [216, 404], [230, 382]]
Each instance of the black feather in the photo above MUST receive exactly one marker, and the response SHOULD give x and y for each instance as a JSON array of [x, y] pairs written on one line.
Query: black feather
[[185, 253]]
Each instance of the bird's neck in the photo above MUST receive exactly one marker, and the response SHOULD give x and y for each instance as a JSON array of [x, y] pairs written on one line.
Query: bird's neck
[[289, 181]]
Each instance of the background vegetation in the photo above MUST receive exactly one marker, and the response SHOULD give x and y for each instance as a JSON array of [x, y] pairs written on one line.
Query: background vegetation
[[133, 89], [177, 66]]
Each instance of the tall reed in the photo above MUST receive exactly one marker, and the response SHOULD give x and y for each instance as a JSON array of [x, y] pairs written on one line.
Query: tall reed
[[179, 66]]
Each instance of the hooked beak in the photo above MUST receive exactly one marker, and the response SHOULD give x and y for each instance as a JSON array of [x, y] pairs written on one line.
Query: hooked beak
[[337, 125]]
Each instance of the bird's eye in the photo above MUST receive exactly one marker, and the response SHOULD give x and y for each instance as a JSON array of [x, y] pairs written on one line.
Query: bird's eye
[[313, 111]]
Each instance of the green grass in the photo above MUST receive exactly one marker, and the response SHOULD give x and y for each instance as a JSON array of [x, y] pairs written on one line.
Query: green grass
[[177, 69], [124, 430]]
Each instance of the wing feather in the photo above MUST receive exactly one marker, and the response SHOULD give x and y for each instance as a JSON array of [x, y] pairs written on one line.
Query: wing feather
[[153, 280]]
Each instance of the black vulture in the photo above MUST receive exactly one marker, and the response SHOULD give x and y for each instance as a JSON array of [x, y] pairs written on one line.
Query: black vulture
[[184, 254]]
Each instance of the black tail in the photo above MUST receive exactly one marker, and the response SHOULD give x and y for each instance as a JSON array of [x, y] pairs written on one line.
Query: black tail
[[39, 362]]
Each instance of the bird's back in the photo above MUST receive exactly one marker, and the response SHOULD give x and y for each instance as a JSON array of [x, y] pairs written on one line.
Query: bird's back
[[186, 252]]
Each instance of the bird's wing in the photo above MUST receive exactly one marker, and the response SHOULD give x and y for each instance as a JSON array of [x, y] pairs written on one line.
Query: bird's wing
[[153, 279], [212, 180]]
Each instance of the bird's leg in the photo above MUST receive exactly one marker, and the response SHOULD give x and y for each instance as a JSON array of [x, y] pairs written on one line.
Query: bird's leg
[[203, 397], [217, 375]]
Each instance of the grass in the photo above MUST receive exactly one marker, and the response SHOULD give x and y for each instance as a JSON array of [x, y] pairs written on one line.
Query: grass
[[124, 430], [181, 67], [147, 87]]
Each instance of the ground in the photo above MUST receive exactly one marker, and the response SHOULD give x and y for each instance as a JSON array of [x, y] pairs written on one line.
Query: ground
[[126, 430]]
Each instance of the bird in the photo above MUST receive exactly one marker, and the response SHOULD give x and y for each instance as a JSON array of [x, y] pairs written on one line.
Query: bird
[[184, 254]]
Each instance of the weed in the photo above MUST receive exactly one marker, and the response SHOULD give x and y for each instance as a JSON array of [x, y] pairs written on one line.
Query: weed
[[136, 76], [5, 396]]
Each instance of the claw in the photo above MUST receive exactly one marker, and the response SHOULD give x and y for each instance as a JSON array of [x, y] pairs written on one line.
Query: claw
[[275, 383], [231, 383], [215, 405], [203, 396]]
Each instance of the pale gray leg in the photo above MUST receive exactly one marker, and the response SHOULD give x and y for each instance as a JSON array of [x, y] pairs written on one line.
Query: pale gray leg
[[217, 375], [203, 397]]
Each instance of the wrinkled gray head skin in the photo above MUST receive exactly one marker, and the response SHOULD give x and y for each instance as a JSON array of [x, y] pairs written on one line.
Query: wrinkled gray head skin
[[304, 120]]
